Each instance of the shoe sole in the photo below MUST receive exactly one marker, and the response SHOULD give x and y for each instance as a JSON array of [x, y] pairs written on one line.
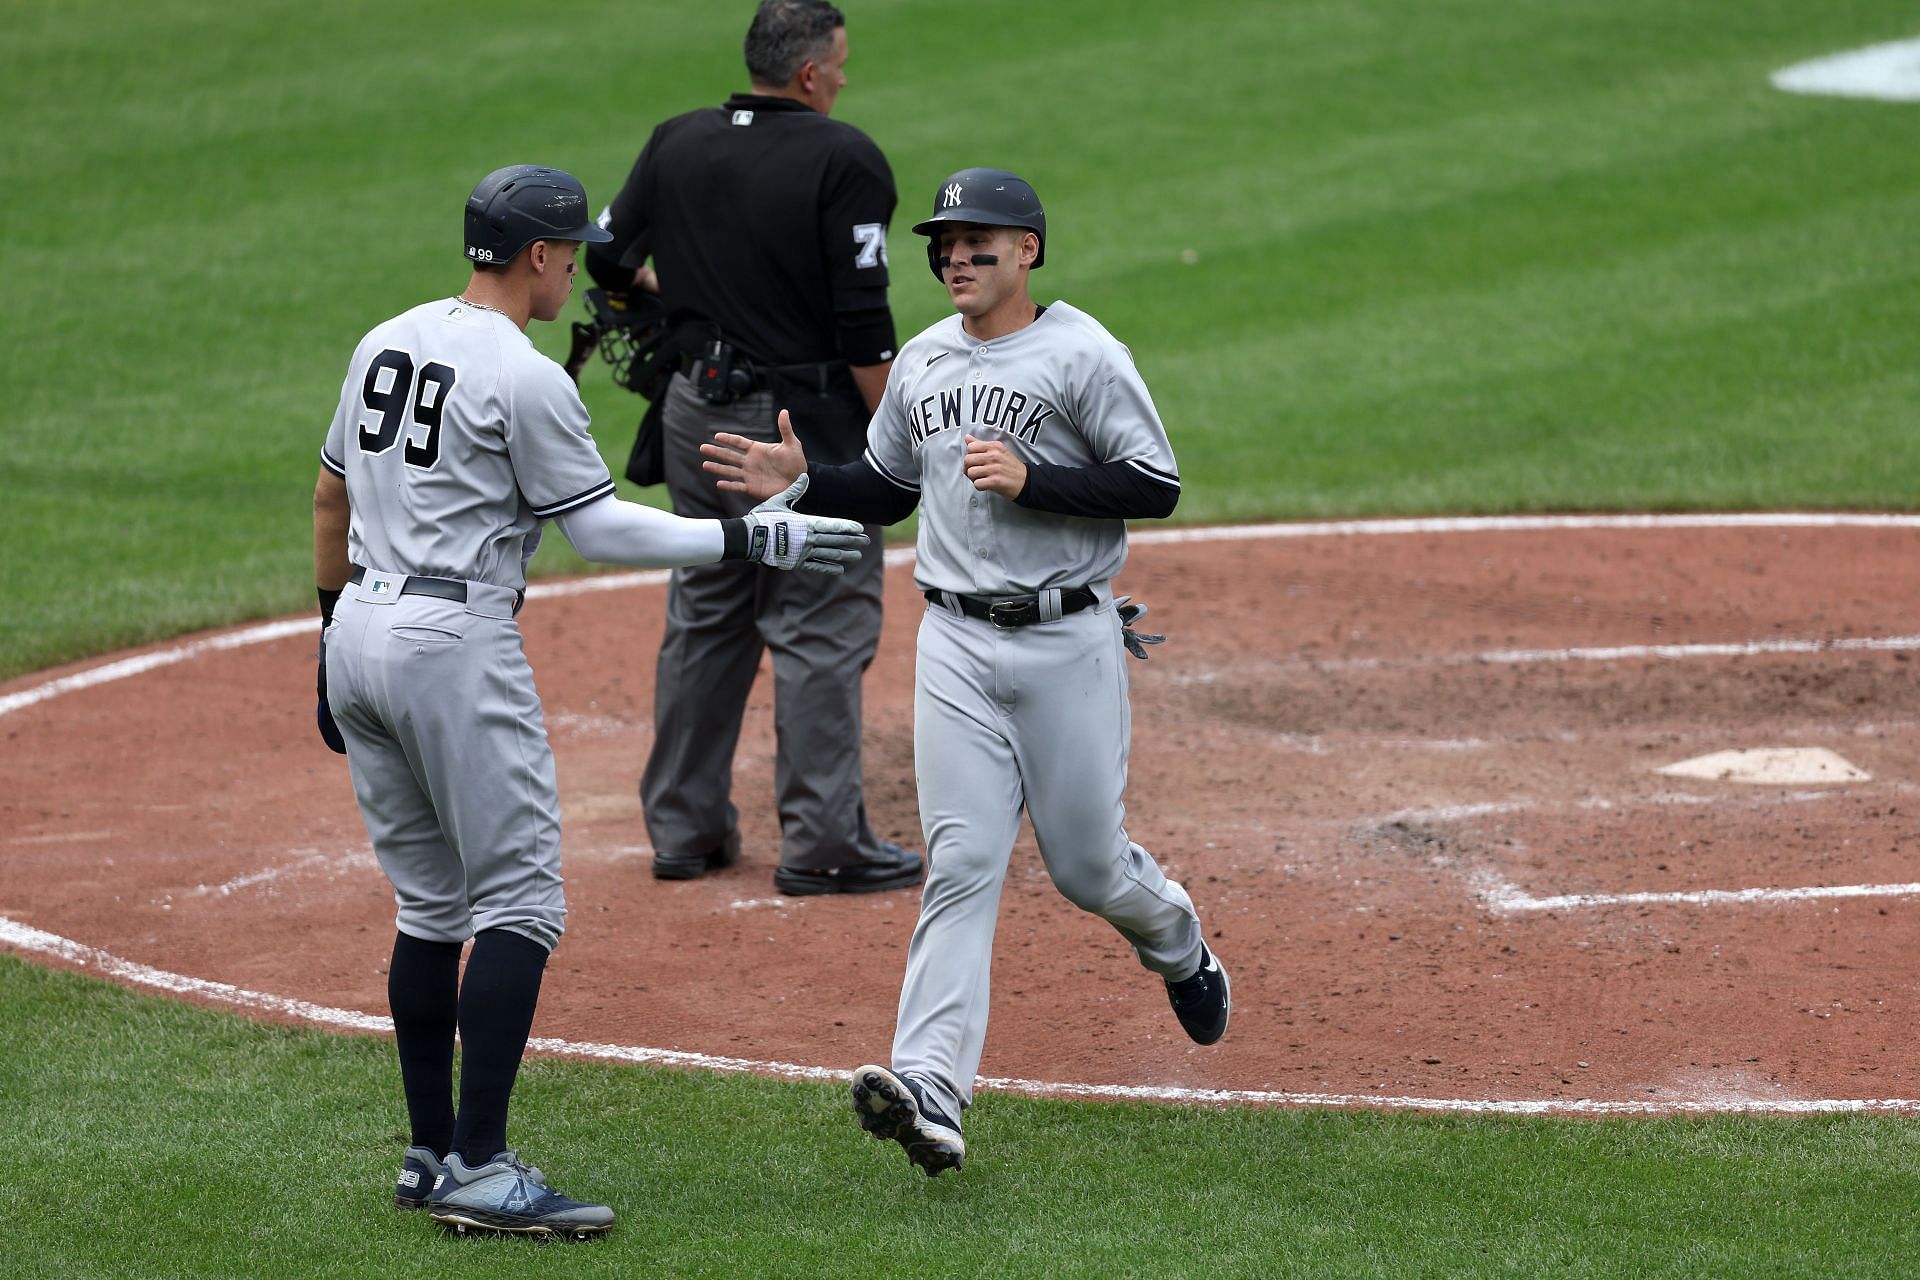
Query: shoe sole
[[404, 1202], [477, 1221], [886, 1109], [810, 886]]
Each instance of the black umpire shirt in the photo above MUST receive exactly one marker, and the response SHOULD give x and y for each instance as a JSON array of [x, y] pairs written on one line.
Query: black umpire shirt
[[767, 219]]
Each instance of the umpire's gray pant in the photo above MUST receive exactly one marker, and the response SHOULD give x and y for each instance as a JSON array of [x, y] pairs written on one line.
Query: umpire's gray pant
[[823, 632]]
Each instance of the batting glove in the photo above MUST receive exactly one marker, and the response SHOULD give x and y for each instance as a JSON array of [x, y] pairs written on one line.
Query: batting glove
[[781, 538], [323, 713], [1134, 640]]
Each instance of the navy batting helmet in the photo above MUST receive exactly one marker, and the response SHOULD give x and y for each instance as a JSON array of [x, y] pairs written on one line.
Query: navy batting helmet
[[514, 206], [991, 197]]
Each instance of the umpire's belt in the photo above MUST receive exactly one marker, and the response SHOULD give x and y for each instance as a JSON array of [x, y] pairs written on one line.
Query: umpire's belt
[[1009, 612], [454, 589]]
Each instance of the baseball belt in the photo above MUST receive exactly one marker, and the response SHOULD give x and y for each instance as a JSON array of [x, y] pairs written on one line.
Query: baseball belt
[[439, 588], [1008, 612]]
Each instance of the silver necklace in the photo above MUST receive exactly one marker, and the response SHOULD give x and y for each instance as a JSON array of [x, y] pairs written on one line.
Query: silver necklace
[[481, 306]]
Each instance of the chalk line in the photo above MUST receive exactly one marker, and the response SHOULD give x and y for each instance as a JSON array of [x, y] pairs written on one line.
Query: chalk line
[[23, 937], [1510, 899]]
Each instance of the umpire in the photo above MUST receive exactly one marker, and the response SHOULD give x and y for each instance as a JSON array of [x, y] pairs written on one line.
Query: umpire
[[766, 225]]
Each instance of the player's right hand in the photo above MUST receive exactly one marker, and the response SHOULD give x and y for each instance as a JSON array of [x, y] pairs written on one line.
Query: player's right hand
[[781, 538], [322, 713], [754, 467]]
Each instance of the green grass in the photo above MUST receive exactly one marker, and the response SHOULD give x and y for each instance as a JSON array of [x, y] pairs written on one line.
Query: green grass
[[1450, 257], [1372, 258], [147, 1138]]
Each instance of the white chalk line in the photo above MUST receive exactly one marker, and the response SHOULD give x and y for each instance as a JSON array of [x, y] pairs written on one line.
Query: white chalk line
[[333, 864], [23, 937], [1509, 899], [127, 667], [1626, 652], [1506, 898]]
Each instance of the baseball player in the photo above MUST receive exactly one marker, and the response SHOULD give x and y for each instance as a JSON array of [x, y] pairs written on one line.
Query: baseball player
[[1026, 437], [454, 443]]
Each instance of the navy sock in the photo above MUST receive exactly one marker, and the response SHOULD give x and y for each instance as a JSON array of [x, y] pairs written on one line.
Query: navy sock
[[423, 985], [497, 999]]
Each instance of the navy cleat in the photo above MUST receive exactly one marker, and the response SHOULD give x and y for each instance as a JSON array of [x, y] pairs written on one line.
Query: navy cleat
[[420, 1169], [889, 1107], [508, 1195], [1202, 1002]]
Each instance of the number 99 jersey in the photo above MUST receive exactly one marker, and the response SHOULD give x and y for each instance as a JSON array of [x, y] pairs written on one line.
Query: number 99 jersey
[[457, 438]]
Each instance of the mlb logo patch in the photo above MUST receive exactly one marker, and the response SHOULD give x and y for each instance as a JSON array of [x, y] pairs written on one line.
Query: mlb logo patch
[[743, 118], [381, 586]]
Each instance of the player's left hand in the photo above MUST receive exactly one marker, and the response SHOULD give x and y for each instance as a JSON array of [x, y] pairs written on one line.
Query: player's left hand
[[994, 468], [1136, 641]]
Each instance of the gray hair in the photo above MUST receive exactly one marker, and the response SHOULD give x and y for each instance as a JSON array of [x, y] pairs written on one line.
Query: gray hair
[[786, 34]]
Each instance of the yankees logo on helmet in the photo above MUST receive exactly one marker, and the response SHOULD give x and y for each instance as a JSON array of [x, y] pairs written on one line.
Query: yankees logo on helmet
[[952, 195]]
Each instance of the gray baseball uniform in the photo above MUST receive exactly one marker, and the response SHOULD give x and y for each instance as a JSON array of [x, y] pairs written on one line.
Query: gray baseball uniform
[[1034, 718], [456, 439]]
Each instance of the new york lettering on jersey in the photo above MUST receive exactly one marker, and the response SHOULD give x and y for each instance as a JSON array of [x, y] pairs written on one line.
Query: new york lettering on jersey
[[1020, 414]]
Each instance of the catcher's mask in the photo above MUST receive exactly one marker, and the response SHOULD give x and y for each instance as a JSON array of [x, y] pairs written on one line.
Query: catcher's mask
[[631, 333]]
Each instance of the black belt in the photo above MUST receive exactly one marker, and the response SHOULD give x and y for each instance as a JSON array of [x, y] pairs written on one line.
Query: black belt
[[1014, 611], [439, 588]]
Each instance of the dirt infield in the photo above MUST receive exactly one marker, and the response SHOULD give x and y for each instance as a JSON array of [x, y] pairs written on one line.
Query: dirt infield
[[1410, 778]]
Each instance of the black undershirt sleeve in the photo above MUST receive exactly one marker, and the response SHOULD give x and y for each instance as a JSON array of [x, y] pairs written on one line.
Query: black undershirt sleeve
[[855, 491], [1106, 490]]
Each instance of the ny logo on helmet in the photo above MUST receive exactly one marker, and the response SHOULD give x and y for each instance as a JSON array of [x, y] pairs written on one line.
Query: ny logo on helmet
[[951, 196]]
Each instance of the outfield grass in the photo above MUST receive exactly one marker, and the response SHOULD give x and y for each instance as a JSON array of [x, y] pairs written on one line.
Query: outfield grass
[[1448, 257], [151, 1139], [1372, 257]]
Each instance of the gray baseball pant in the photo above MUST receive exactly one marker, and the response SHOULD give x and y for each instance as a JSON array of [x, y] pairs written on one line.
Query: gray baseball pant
[[450, 761], [1034, 718]]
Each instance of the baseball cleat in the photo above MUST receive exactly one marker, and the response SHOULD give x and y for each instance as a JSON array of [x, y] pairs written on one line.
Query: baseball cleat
[[888, 1108], [419, 1170], [507, 1195], [1203, 1001]]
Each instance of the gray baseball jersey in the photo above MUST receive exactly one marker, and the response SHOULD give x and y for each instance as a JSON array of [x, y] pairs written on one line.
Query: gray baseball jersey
[[1034, 719], [456, 438], [463, 438], [1061, 390]]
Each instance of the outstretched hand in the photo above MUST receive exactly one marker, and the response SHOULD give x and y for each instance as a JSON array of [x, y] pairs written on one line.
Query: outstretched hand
[[780, 538], [754, 467]]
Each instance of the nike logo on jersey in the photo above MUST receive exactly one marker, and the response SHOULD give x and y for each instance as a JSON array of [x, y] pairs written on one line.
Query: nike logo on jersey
[[941, 356], [979, 405]]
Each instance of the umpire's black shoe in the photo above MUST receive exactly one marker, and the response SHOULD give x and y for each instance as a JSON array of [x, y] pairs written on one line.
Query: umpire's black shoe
[[691, 866], [895, 868], [1203, 1001]]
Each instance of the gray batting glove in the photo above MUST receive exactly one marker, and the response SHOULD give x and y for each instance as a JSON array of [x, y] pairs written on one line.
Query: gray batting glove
[[781, 538]]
